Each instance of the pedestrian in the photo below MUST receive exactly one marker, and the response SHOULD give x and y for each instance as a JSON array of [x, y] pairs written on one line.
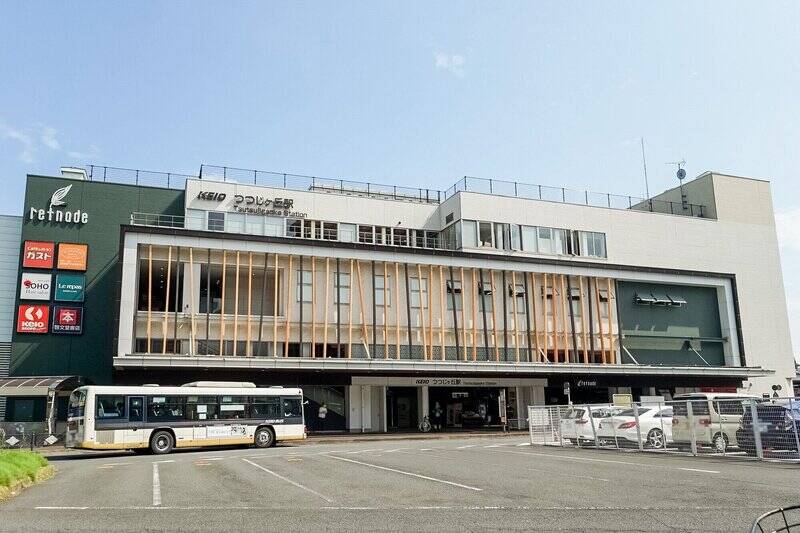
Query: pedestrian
[[437, 416], [322, 413]]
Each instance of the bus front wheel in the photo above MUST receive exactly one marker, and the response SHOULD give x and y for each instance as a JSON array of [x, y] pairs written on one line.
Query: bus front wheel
[[161, 442], [264, 438]]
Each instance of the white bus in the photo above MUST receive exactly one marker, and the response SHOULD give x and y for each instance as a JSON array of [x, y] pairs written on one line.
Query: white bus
[[203, 413]]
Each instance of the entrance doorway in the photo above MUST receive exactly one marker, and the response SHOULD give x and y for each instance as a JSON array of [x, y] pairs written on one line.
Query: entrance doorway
[[467, 408], [401, 407]]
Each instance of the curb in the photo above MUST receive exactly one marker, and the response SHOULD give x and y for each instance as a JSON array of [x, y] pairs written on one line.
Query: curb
[[44, 473]]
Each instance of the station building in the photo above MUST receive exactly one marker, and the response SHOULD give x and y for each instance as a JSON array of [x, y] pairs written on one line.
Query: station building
[[384, 303]]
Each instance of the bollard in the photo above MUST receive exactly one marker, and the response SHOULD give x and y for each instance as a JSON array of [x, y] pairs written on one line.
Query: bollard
[[638, 428]]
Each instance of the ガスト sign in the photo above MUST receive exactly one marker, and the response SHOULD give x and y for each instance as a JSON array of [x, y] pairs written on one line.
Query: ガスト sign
[[32, 318], [37, 254], [68, 320]]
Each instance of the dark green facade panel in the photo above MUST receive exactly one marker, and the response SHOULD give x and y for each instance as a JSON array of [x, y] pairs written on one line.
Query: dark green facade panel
[[108, 206], [684, 332]]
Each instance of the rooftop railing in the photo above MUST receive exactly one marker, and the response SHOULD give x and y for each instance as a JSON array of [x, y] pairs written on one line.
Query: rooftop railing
[[300, 182], [572, 196]]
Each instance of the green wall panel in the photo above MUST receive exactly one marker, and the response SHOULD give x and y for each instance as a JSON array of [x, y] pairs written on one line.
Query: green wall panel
[[656, 335], [109, 206]]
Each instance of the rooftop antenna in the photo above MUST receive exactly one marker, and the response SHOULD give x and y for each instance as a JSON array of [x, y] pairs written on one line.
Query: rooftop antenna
[[644, 164], [681, 174]]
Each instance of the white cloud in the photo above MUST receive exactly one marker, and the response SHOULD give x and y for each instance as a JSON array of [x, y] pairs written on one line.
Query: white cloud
[[452, 63], [48, 137], [27, 148], [32, 141]]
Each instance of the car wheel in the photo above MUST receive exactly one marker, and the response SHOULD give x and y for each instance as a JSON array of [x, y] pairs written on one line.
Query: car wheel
[[655, 438], [264, 438], [161, 442], [720, 442]]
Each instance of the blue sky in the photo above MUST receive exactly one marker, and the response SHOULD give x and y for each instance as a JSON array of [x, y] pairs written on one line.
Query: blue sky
[[416, 93]]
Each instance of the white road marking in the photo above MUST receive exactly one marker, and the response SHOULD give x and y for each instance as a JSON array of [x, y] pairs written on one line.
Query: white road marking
[[425, 449], [526, 468], [60, 508], [286, 479], [701, 470], [403, 472], [575, 458], [467, 446], [116, 464], [394, 450], [156, 486], [524, 444], [408, 508], [165, 461]]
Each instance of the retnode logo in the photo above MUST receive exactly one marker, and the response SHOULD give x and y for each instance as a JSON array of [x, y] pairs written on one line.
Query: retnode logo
[[54, 214]]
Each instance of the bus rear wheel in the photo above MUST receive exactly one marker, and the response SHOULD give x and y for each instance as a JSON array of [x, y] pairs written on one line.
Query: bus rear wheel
[[161, 442], [264, 438]]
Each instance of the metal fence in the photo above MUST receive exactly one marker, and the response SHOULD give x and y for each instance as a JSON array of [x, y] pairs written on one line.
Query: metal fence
[[779, 520], [718, 426], [24, 440]]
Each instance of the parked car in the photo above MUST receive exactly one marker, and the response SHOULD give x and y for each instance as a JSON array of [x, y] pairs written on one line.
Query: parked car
[[778, 426], [654, 426], [576, 426], [716, 417]]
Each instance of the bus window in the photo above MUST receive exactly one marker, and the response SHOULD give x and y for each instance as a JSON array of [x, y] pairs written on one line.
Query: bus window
[[135, 409], [164, 408], [77, 403], [110, 407], [232, 407], [292, 408], [266, 407], [202, 408]]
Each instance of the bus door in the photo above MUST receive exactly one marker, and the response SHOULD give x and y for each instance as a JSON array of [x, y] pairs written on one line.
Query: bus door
[[134, 432]]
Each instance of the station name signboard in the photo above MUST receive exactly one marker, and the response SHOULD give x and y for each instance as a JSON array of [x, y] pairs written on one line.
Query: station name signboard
[[32, 318], [252, 204]]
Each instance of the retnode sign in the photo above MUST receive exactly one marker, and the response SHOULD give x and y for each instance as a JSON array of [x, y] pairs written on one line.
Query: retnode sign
[[32, 318], [56, 212]]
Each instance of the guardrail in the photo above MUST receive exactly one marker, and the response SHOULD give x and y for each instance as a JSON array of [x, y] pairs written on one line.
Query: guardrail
[[725, 427]]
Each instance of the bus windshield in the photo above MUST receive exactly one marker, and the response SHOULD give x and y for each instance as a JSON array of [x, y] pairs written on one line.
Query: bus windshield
[[77, 403]]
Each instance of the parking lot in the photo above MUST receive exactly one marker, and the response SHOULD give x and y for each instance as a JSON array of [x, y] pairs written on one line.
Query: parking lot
[[459, 484]]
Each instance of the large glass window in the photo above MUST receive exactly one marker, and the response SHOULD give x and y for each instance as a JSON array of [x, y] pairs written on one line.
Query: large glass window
[[366, 234], [294, 227], [303, 280], [419, 288], [153, 283], [265, 407], [232, 407], [110, 407], [485, 302], [383, 290], [469, 234], [454, 294], [347, 232], [165, 408], [292, 408], [529, 243], [485, 234], [330, 231], [216, 221], [501, 236], [593, 244], [344, 288], [202, 408], [516, 238], [400, 236], [273, 226], [517, 291]]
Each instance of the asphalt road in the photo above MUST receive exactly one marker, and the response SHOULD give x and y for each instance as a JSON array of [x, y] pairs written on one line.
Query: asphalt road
[[465, 484]]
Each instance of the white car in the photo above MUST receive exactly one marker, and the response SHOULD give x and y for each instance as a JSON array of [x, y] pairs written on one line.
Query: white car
[[577, 427], [655, 427]]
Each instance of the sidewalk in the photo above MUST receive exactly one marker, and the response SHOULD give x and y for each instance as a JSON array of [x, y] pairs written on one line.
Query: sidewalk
[[332, 438]]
